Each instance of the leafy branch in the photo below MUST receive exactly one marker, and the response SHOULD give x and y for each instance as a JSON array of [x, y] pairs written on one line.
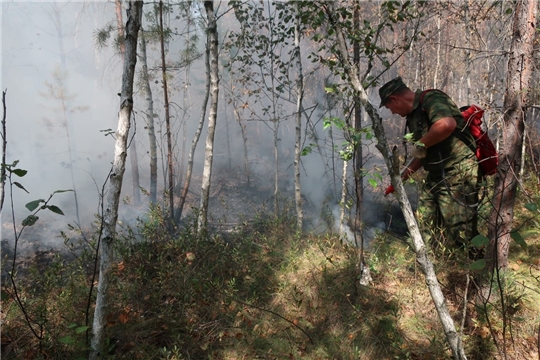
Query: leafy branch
[[35, 207]]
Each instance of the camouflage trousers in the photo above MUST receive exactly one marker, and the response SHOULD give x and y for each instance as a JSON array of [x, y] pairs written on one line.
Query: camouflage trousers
[[448, 206]]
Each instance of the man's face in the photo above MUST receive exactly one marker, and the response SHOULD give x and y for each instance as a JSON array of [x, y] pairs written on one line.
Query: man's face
[[397, 105]]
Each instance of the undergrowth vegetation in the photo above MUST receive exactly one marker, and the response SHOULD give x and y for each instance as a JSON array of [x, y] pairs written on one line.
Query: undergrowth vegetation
[[265, 291]]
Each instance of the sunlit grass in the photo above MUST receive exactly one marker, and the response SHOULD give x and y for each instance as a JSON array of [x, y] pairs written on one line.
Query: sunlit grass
[[265, 291]]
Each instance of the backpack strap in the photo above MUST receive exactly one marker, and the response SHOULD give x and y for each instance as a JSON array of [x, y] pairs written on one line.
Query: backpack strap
[[458, 134]]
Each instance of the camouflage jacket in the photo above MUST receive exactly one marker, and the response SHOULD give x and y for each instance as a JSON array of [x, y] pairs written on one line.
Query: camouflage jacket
[[444, 155]]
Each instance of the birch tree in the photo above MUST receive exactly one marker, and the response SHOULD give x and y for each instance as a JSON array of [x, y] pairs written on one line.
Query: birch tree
[[191, 154], [298, 127], [134, 161], [170, 172], [212, 44], [149, 117], [110, 217]]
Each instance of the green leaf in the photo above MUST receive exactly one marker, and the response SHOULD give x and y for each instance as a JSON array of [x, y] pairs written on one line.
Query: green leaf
[[532, 207], [373, 183], [20, 186], [329, 90], [307, 150], [514, 234], [61, 191], [408, 137], [32, 205], [478, 265], [55, 209], [480, 241], [20, 172], [68, 340], [30, 220], [326, 124], [81, 329]]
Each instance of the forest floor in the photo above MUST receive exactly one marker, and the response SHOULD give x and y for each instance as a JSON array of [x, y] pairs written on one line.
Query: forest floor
[[255, 288]]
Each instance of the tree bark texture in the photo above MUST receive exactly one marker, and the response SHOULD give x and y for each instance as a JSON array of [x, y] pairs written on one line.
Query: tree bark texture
[[417, 242], [520, 66], [134, 16], [134, 160], [298, 128], [170, 172], [212, 43], [358, 167], [4, 148], [195, 141], [149, 119]]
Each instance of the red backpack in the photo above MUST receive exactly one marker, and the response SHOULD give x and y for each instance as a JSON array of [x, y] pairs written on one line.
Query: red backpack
[[485, 151], [487, 156]]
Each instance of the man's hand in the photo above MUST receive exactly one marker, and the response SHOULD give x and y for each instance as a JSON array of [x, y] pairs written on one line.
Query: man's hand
[[419, 151], [389, 190]]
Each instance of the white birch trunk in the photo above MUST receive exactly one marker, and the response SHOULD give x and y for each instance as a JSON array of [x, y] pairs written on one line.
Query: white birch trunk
[[418, 245], [136, 190], [342, 218], [4, 148], [149, 120], [195, 141], [212, 43], [298, 142], [134, 16], [169, 187]]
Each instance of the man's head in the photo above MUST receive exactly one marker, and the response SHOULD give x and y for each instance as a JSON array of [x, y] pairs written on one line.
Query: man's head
[[397, 97], [391, 87]]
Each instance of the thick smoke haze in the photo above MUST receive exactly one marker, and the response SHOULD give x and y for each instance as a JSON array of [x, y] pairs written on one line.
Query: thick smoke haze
[[60, 94], [62, 107]]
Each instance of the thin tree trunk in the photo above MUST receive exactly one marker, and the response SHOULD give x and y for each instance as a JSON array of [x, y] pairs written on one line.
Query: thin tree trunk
[[392, 162], [149, 119], [212, 43], [134, 17], [343, 201], [438, 56], [467, 53], [185, 115], [298, 142], [134, 160], [170, 185], [276, 166], [187, 181], [363, 271], [244, 141], [4, 148], [120, 26], [520, 66]]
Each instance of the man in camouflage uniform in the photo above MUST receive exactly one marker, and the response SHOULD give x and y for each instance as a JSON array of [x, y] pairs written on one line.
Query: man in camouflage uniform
[[448, 203]]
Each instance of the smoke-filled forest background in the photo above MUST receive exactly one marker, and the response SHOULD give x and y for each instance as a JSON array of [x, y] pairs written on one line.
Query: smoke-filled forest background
[[62, 61], [294, 138]]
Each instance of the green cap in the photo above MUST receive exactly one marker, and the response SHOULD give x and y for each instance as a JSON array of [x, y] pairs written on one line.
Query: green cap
[[389, 88]]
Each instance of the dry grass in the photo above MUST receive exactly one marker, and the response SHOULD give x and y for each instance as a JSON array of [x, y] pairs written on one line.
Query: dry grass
[[266, 292]]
